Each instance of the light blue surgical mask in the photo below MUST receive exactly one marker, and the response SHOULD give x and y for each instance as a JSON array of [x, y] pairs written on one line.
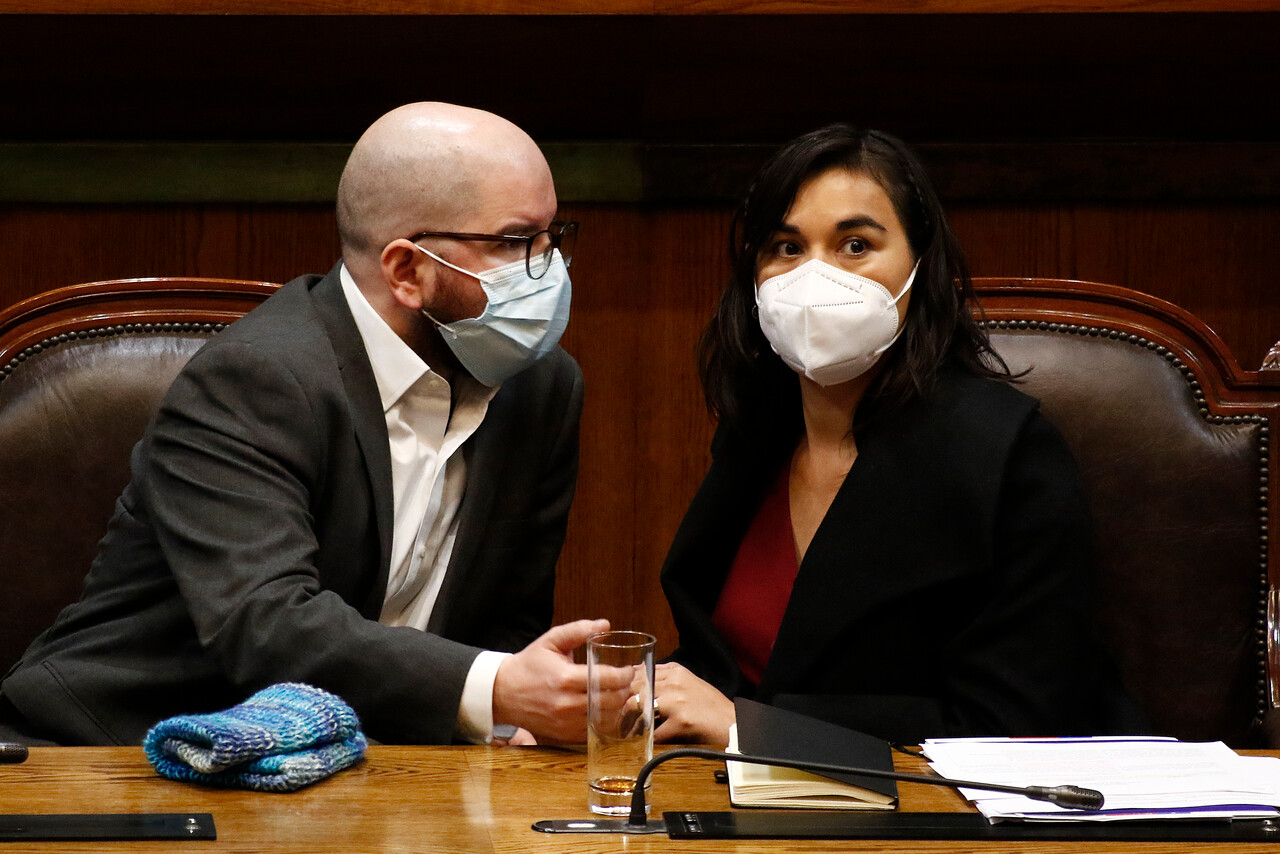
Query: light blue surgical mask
[[521, 323]]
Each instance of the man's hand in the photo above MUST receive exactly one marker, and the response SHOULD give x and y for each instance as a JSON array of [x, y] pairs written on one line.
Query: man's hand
[[691, 709], [541, 689]]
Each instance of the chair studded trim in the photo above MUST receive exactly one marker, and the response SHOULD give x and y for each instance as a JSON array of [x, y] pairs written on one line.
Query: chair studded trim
[[1137, 340], [180, 328]]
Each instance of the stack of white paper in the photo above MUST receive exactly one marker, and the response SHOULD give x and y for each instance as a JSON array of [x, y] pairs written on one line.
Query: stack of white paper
[[1140, 778]]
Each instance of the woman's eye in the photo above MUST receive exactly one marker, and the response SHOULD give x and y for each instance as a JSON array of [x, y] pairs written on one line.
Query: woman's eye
[[786, 249], [856, 246]]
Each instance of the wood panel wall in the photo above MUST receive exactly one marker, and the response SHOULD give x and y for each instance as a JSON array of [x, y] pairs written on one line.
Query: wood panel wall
[[645, 279]]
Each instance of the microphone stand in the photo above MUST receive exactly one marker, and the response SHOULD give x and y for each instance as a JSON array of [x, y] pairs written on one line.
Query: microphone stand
[[1068, 797]]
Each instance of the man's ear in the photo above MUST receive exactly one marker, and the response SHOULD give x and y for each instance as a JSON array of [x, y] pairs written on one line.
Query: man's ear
[[411, 283]]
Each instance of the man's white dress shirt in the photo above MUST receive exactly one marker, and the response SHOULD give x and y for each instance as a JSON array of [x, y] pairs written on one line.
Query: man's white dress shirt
[[426, 426]]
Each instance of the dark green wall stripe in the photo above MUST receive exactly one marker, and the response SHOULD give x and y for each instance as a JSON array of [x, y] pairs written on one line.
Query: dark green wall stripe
[[82, 172], [632, 172]]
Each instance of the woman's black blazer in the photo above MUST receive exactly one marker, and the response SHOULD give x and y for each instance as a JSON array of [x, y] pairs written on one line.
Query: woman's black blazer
[[946, 592]]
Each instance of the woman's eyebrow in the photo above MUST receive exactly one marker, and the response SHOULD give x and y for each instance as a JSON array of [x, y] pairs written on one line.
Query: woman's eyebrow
[[859, 222]]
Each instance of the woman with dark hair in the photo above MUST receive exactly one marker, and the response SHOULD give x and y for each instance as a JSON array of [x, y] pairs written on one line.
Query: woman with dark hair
[[890, 536]]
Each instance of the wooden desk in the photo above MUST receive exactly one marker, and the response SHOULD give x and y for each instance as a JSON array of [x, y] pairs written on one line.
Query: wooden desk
[[427, 799]]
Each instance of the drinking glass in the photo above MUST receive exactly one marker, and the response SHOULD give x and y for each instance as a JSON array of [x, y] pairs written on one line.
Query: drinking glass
[[619, 717]]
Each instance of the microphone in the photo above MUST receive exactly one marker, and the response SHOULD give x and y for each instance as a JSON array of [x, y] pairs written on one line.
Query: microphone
[[1068, 797], [11, 753]]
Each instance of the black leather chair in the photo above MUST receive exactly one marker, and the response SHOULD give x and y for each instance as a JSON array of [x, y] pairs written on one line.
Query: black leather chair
[[1173, 442], [82, 369]]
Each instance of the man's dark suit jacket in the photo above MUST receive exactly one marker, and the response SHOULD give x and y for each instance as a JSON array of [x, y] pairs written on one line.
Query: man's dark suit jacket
[[252, 544], [946, 591]]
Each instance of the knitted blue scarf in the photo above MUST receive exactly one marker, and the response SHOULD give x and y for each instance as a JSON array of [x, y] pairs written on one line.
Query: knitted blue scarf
[[282, 738]]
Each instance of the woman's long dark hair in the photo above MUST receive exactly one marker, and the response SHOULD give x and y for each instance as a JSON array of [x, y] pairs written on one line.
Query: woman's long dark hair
[[747, 386]]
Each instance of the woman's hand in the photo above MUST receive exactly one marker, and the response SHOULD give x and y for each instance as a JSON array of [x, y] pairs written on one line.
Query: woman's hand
[[690, 709]]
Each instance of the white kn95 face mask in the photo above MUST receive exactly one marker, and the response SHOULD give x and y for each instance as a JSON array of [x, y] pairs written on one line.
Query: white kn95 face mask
[[826, 323]]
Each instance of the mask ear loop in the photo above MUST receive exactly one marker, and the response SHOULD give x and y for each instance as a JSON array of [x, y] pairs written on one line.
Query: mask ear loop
[[911, 280], [443, 326], [436, 257], [894, 340]]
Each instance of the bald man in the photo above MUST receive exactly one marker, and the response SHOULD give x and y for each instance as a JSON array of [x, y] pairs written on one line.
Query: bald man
[[363, 484]]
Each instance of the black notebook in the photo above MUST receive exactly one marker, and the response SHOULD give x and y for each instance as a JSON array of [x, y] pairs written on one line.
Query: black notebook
[[767, 731]]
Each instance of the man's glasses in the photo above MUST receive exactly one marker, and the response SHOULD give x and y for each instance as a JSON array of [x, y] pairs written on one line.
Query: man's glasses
[[537, 247]]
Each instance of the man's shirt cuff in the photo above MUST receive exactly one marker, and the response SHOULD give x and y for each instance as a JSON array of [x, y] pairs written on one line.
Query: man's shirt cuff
[[475, 712]]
